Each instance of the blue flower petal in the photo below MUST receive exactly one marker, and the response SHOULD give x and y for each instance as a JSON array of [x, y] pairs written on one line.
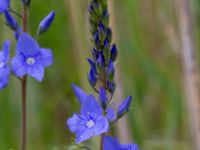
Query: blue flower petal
[[46, 57], [27, 45], [4, 77], [6, 50], [110, 143], [76, 123], [90, 106], [18, 66], [36, 71], [101, 126], [80, 94], [4, 4], [83, 135], [110, 114]]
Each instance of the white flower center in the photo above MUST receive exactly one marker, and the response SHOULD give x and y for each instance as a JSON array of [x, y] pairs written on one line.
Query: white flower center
[[90, 124], [30, 61], [2, 64]]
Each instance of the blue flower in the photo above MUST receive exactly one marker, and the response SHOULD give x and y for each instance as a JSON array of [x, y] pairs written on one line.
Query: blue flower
[[124, 107], [46, 23], [30, 59], [4, 4], [80, 94], [11, 21], [110, 114], [113, 144], [90, 122], [4, 69]]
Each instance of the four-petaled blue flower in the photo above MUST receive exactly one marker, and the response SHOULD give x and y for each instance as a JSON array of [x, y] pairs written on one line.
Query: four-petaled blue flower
[[4, 4], [90, 122], [113, 144], [4, 69], [30, 59]]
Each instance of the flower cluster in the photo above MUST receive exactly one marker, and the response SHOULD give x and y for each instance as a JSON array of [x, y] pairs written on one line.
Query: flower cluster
[[97, 114], [30, 59]]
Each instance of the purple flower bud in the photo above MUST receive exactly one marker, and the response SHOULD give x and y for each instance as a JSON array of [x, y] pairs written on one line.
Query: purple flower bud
[[10, 21], [103, 98], [17, 33], [92, 64], [26, 2], [100, 62], [110, 71], [95, 54], [111, 86], [105, 14], [96, 38], [106, 43], [114, 53], [109, 34], [80, 94], [91, 9], [92, 77], [4, 4], [101, 27], [46, 23], [124, 107]]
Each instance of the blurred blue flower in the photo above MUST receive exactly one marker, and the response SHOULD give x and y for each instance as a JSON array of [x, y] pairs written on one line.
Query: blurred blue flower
[[124, 107], [92, 77], [30, 59], [4, 4], [4, 69], [113, 144], [80, 94], [90, 122], [46, 23], [11, 21]]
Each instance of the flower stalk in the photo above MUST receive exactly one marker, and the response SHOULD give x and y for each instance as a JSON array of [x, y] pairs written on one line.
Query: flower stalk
[[24, 85]]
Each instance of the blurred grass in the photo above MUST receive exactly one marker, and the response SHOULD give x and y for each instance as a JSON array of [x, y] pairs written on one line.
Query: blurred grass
[[150, 68]]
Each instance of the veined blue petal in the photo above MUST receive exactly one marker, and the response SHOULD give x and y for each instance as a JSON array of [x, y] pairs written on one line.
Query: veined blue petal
[[27, 45], [46, 58], [83, 135], [80, 94], [101, 126], [36, 71], [18, 66], [76, 123], [90, 106]]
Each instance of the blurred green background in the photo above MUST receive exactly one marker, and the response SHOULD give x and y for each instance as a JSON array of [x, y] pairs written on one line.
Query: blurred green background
[[148, 39]]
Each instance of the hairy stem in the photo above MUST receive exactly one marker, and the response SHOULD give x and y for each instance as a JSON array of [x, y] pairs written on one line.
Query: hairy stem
[[24, 86]]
